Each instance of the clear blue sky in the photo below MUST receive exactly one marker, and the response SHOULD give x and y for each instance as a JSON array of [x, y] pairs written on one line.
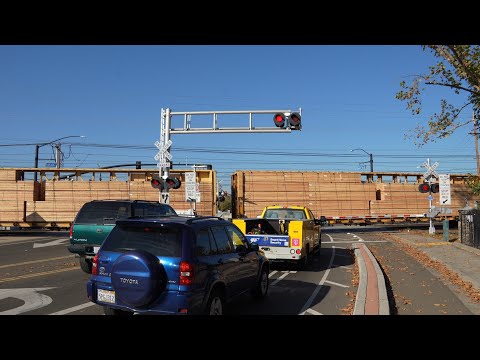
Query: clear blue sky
[[114, 94]]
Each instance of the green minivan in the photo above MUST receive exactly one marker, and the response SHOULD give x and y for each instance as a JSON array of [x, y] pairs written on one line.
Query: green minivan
[[97, 218]]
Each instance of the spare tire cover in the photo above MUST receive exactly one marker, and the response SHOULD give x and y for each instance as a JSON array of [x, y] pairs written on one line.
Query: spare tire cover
[[138, 278]]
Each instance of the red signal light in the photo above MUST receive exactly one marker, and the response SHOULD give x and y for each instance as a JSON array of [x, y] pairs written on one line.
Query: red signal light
[[424, 188], [279, 120], [156, 182]]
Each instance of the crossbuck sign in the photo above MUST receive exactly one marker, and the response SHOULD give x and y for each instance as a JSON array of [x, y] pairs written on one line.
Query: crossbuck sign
[[430, 170]]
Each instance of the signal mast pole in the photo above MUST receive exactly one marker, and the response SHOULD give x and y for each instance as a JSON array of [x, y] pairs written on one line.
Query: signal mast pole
[[288, 121]]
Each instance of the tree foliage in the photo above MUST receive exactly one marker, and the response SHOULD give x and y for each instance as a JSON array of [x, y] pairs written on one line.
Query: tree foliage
[[225, 205], [457, 69], [473, 182]]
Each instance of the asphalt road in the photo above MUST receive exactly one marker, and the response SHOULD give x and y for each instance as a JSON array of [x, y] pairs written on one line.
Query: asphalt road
[[38, 276]]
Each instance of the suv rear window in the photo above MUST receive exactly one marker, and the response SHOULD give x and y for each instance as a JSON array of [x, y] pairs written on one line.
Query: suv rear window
[[102, 212], [160, 241]]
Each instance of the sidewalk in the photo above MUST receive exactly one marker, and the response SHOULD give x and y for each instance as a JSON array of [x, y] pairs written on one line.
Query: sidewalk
[[448, 259]]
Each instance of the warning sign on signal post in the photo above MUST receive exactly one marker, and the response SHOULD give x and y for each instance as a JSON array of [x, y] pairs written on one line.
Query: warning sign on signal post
[[444, 189]]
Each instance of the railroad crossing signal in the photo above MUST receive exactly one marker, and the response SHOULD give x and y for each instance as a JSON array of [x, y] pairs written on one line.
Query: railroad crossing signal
[[294, 120], [163, 155], [430, 170]]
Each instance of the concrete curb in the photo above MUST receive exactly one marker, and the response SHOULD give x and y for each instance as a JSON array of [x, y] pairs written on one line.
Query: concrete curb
[[466, 248], [361, 298]]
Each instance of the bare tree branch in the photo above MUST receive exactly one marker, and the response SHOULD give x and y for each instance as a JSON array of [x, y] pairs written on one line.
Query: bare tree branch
[[453, 86]]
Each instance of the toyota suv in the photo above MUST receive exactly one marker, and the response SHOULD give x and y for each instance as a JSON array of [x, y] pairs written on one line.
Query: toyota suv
[[97, 218], [175, 265]]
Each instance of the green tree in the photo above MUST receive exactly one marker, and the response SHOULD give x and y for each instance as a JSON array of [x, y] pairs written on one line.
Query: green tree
[[225, 205], [457, 69]]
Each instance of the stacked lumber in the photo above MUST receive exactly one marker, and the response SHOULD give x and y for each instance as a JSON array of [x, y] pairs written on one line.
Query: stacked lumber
[[328, 194], [17, 191], [10, 175], [11, 211]]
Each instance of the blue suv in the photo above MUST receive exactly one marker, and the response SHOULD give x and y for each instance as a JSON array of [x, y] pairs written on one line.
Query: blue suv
[[175, 265]]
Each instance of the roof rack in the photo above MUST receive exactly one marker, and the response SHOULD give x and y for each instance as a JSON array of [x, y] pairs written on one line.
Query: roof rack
[[190, 221]]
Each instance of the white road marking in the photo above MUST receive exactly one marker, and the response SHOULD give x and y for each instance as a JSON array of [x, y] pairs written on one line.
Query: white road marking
[[311, 311], [273, 272], [359, 238], [342, 266], [320, 284], [293, 272], [73, 309], [30, 296], [280, 278], [331, 239], [334, 283], [51, 243]]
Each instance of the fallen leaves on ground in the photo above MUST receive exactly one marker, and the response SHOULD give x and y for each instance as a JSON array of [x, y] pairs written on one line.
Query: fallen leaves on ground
[[348, 310], [446, 273]]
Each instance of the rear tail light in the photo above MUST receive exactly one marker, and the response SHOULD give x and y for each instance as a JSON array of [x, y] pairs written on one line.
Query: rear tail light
[[71, 231], [95, 265], [298, 251], [186, 273]]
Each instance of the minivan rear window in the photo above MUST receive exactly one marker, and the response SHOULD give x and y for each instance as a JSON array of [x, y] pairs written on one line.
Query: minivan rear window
[[160, 241], [102, 212]]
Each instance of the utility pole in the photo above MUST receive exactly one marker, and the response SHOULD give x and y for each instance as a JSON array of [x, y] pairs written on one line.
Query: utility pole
[[57, 155], [475, 127]]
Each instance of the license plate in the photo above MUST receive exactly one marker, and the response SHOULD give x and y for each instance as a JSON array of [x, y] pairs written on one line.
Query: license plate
[[95, 249], [106, 296]]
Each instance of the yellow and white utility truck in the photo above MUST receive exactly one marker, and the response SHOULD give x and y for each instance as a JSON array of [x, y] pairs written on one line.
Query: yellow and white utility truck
[[285, 233]]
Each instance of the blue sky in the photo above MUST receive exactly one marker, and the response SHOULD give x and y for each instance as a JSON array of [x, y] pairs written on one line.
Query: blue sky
[[114, 95]]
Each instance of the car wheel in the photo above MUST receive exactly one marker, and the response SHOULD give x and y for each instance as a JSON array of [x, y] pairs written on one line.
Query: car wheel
[[319, 246], [261, 288], [216, 304], [86, 265], [304, 262], [111, 311]]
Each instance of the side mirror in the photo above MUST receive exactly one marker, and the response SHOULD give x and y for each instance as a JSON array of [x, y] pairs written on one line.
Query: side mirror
[[323, 220], [254, 247], [241, 249]]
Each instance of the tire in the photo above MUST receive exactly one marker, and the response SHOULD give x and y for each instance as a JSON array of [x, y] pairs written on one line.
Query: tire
[[304, 262], [319, 246], [215, 304], [261, 289], [111, 311], [86, 265]]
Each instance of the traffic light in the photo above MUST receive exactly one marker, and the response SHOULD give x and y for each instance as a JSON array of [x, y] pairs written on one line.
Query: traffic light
[[426, 188], [279, 120], [294, 120]]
